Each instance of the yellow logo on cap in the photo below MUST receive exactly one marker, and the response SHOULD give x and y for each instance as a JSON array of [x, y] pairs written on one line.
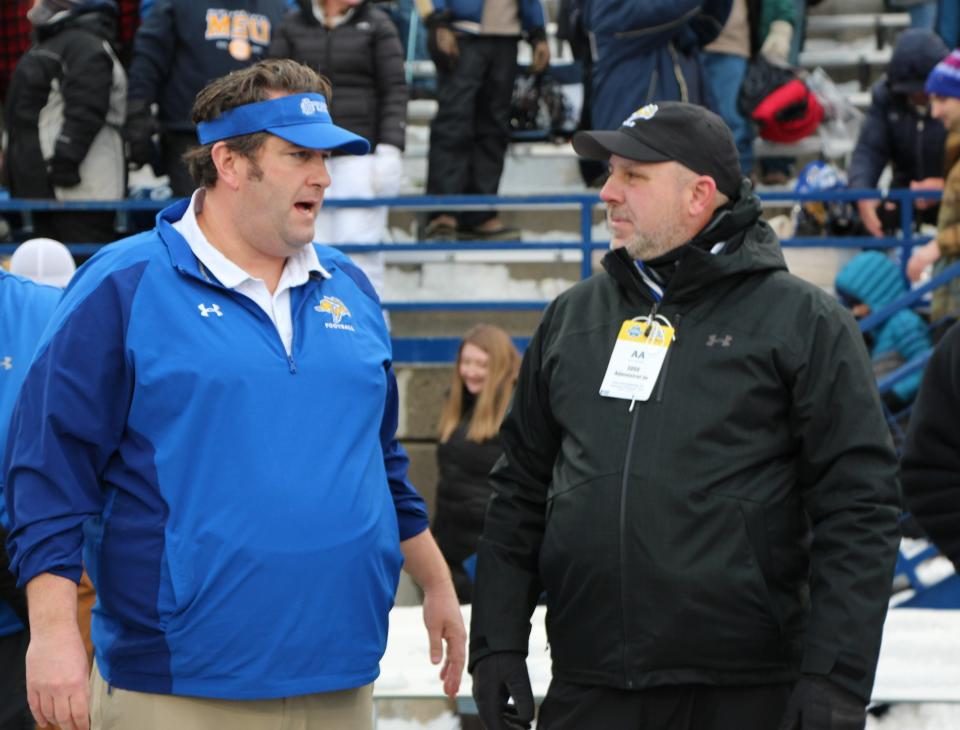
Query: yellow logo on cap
[[644, 112]]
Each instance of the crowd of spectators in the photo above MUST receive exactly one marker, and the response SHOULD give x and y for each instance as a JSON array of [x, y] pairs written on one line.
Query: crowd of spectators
[[94, 88]]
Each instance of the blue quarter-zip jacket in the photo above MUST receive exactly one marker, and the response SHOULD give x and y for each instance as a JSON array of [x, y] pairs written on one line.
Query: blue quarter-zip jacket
[[25, 308], [241, 510]]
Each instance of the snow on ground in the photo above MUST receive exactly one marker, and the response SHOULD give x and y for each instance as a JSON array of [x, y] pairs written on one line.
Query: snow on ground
[[898, 717]]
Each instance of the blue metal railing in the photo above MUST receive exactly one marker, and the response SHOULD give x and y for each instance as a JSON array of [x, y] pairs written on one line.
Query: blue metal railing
[[585, 202]]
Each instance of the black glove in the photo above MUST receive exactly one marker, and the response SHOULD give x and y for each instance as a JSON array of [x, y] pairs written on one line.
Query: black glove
[[497, 677], [442, 42], [63, 173], [892, 401], [8, 584], [138, 131], [816, 703]]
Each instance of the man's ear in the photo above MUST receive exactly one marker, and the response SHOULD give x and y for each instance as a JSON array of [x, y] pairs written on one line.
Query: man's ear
[[703, 194], [230, 166]]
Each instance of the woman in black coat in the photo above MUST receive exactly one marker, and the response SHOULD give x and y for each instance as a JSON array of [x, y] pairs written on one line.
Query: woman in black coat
[[356, 46], [483, 381]]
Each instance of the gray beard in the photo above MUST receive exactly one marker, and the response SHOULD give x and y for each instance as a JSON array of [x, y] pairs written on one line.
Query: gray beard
[[668, 235]]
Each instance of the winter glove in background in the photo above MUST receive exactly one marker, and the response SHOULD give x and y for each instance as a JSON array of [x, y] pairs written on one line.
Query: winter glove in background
[[138, 131], [8, 584], [496, 678], [541, 51], [816, 703], [387, 170], [442, 42], [776, 46], [63, 173]]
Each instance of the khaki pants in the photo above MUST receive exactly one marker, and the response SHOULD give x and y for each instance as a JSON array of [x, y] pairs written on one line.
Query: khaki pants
[[86, 597], [119, 709]]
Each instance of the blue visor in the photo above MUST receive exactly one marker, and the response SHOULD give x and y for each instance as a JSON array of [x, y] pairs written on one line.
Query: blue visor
[[302, 119]]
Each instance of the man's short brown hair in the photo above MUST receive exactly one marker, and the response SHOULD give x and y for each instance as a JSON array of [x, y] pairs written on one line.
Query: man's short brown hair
[[246, 86]]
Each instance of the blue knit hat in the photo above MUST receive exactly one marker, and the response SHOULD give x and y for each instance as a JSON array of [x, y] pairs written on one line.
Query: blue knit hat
[[944, 80]]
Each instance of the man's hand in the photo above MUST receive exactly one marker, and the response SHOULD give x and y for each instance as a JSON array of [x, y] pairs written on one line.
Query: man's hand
[[928, 183], [138, 130], [57, 670], [541, 57], [922, 257], [816, 703], [496, 678], [442, 42], [441, 611], [868, 216], [444, 622]]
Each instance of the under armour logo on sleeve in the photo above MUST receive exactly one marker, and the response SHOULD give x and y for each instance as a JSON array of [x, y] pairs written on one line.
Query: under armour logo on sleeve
[[724, 341], [7, 363], [207, 311]]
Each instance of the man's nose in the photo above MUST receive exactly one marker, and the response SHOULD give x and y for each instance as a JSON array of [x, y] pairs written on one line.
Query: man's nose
[[610, 192], [319, 174]]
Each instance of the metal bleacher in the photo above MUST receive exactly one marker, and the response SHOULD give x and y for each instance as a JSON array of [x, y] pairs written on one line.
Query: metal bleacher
[[427, 349]]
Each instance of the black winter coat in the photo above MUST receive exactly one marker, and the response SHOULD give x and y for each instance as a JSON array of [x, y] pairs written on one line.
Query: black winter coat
[[895, 131], [362, 58], [463, 492], [931, 456], [69, 56], [738, 528]]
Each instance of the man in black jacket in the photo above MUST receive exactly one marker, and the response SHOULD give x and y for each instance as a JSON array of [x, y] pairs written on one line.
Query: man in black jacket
[[696, 471], [931, 455]]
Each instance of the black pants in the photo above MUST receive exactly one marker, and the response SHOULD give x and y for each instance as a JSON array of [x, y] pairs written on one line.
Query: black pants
[[679, 707], [14, 711], [469, 135], [172, 147]]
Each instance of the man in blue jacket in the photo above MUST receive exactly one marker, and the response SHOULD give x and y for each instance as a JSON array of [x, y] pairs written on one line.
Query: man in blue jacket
[[179, 48], [649, 51], [900, 130], [215, 408], [26, 308]]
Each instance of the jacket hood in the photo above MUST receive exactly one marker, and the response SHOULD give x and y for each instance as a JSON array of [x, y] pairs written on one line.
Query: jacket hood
[[751, 247], [98, 16], [871, 278], [916, 53]]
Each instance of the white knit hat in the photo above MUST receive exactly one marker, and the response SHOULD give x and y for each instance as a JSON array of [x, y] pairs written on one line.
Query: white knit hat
[[44, 260]]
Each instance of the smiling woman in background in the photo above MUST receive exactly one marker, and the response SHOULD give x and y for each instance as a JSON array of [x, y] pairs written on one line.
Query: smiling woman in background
[[483, 380]]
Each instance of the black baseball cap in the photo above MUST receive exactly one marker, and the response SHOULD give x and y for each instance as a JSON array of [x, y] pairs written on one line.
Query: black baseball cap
[[671, 130]]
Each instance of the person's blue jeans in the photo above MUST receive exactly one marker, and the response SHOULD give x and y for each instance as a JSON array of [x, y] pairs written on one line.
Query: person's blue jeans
[[725, 75]]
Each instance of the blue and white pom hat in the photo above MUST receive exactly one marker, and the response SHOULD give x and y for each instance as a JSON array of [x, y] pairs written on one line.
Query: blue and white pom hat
[[944, 80], [302, 119]]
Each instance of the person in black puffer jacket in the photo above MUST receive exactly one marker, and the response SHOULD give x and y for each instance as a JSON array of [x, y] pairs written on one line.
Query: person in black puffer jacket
[[356, 46], [483, 380], [64, 111]]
